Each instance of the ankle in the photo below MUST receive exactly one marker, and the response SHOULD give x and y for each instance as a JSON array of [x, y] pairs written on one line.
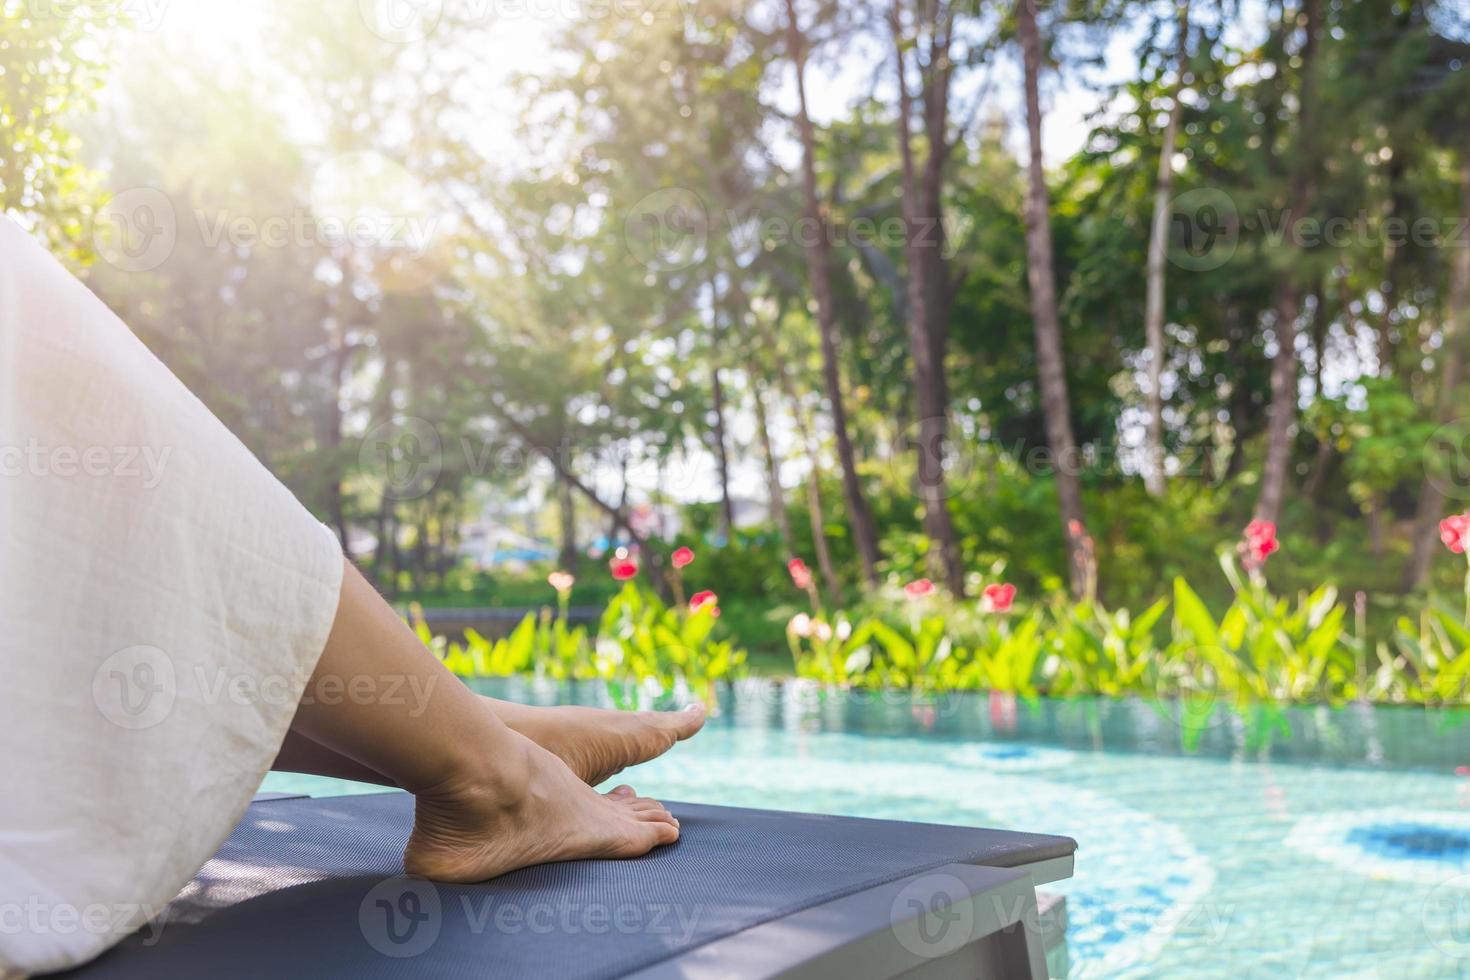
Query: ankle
[[493, 775]]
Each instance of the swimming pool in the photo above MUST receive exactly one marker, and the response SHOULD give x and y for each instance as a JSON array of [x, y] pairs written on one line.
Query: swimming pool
[[1317, 842]]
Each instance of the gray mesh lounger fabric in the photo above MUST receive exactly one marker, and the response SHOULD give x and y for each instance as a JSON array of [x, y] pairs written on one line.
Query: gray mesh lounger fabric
[[313, 887]]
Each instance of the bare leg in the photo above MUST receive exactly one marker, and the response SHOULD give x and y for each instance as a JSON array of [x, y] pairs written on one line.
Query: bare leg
[[489, 800], [595, 743], [300, 754]]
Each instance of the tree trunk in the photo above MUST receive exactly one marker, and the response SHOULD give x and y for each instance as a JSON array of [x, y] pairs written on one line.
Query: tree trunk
[[722, 457], [567, 508], [1317, 339], [819, 269], [923, 250], [385, 559], [1277, 468], [1158, 245], [1239, 405], [814, 511], [717, 396], [775, 494], [1317, 477], [1375, 525], [622, 505], [1457, 333], [1392, 267], [1283, 405], [1041, 276], [421, 548], [336, 497], [814, 472]]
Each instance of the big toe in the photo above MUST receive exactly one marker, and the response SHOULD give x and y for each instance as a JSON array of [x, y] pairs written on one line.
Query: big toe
[[682, 724]]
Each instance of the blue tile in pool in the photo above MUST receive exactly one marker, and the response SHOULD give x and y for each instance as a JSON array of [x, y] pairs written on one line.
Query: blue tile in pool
[[1398, 844], [1412, 841], [1011, 757], [1009, 752]]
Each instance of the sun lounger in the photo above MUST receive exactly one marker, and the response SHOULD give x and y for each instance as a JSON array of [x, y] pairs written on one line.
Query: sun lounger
[[314, 888]]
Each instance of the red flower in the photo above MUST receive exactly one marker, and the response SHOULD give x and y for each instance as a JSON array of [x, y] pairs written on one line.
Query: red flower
[[1260, 542], [705, 598], [998, 597], [623, 569], [683, 557], [920, 589], [800, 574], [1455, 532]]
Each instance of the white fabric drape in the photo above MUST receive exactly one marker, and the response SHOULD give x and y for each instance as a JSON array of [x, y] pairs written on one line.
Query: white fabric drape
[[163, 600]]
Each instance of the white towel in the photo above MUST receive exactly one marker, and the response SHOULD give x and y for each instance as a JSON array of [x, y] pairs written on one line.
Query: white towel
[[163, 601]]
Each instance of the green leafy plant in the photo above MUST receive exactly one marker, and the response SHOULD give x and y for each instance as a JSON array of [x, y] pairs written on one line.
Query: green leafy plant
[[641, 638], [638, 639], [1261, 652], [1430, 663]]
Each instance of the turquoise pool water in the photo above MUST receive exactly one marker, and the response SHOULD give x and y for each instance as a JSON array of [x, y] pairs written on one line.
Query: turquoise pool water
[[1338, 847]]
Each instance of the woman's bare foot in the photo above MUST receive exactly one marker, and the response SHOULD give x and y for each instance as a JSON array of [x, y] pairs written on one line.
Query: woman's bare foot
[[521, 812], [598, 743]]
